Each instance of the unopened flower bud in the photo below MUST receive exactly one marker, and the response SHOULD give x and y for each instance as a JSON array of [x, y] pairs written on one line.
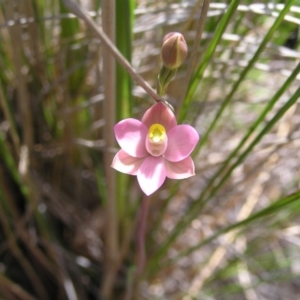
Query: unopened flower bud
[[174, 50]]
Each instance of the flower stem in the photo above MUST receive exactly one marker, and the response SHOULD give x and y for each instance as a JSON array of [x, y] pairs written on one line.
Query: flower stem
[[141, 234], [164, 77]]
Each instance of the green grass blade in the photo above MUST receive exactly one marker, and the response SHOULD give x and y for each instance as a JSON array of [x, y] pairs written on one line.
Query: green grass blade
[[196, 208], [124, 29], [276, 207], [233, 154], [261, 134], [8, 159], [245, 71], [252, 128], [207, 57], [124, 99]]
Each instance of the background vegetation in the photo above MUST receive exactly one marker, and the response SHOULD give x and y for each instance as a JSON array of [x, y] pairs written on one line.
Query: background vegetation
[[68, 222]]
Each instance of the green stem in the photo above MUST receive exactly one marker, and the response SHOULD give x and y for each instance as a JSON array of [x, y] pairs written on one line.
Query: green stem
[[164, 77]]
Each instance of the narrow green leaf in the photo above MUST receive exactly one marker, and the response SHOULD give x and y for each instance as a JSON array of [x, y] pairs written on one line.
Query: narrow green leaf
[[208, 56], [251, 129], [273, 208], [124, 99], [196, 208], [245, 71]]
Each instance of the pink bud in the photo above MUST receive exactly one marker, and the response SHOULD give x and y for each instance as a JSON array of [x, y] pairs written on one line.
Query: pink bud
[[174, 50]]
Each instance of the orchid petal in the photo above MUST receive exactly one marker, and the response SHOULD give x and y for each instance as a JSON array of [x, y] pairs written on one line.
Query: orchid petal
[[152, 174], [131, 135], [125, 163], [182, 140], [159, 113], [181, 169]]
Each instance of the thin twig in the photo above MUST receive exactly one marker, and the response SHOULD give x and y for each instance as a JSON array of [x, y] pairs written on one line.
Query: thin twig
[[194, 53], [82, 14]]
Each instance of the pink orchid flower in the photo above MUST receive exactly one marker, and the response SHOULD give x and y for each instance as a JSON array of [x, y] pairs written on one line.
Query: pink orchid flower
[[155, 148]]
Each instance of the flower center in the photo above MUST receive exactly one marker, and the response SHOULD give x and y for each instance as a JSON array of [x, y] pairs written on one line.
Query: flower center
[[156, 142], [157, 133]]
